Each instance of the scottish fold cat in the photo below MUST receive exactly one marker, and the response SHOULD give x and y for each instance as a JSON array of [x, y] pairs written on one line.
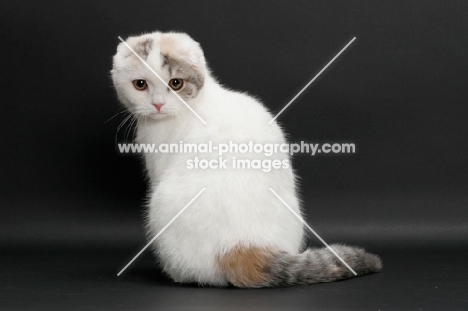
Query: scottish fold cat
[[236, 232]]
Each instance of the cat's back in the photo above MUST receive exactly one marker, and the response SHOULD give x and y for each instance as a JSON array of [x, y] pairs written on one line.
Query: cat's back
[[237, 116]]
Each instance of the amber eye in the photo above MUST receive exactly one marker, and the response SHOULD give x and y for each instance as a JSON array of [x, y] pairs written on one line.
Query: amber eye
[[176, 84], [140, 85]]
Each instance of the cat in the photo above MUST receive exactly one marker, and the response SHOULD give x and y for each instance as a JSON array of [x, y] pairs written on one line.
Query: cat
[[236, 233]]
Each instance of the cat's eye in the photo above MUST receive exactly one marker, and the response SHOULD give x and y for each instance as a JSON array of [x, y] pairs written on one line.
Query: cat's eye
[[140, 84], [176, 84]]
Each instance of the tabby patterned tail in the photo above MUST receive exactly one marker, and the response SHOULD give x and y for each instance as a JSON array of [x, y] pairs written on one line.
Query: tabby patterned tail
[[262, 267]]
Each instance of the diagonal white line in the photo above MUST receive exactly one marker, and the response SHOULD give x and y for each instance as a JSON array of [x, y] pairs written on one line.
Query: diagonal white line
[[160, 232], [159, 77], [313, 231], [313, 79]]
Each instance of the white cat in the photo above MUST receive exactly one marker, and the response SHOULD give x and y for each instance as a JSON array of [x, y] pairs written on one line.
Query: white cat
[[236, 232]]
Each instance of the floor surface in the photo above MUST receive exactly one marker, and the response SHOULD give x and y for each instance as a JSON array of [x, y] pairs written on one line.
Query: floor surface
[[84, 277]]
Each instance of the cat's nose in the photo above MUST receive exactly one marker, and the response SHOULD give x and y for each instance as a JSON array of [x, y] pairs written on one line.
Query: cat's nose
[[158, 106]]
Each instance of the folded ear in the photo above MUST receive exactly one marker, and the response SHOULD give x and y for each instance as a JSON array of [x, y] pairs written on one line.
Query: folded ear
[[122, 50], [142, 45], [182, 47]]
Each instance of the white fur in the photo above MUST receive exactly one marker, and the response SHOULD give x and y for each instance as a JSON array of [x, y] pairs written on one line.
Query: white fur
[[237, 207]]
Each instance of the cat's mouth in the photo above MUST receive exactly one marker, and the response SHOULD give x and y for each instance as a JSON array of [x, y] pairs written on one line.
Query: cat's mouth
[[159, 110], [158, 115]]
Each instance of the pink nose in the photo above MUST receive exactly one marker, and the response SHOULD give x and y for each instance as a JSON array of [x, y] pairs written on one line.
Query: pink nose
[[158, 106]]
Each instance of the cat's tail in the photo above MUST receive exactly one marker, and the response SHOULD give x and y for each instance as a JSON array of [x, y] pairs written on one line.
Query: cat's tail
[[264, 267]]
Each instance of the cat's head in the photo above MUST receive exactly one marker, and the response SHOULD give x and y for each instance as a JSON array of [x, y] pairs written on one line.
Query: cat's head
[[175, 57]]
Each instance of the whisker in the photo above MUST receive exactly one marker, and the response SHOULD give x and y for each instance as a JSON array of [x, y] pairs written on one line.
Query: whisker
[[128, 130], [123, 122], [126, 110], [137, 125], [120, 126]]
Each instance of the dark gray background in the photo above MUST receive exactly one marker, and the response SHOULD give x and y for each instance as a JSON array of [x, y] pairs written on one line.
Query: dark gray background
[[398, 92]]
